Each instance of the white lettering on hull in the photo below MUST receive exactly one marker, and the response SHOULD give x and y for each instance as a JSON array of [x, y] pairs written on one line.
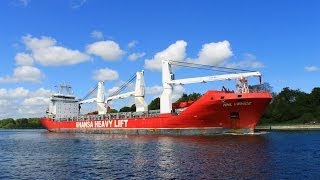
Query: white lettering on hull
[[121, 123], [244, 103], [84, 124]]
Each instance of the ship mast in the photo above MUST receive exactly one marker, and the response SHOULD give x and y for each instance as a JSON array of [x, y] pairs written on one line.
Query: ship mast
[[65, 88], [166, 96]]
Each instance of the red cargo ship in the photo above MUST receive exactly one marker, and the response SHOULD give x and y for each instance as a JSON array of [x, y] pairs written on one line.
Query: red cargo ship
[[215, 112]]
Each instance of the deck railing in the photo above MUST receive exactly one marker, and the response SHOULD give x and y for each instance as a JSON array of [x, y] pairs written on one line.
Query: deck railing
[[119, 115]]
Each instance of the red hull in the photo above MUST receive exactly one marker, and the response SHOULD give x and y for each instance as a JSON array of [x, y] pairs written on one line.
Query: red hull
[[215, 112]]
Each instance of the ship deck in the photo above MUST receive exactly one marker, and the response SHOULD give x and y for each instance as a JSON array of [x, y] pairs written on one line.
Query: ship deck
[[119, 115]]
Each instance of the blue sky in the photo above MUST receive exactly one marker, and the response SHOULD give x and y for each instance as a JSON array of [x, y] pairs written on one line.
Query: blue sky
[[44, 43]]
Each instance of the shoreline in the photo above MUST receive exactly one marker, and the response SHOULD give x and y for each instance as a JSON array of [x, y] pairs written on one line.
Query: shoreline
[[289, 127]]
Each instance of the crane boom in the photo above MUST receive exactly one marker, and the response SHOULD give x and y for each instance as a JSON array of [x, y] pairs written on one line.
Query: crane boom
[[213, 78], [168, 82], [121, 96], [138, 93], [88, 101]]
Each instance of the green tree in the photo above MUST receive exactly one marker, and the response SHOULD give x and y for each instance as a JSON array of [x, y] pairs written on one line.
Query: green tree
[[4, 123], [113, 111], [154, 104], [9, 126], [34, 123], [190, 97], [261, 87], [128, 109], [125, 109], [293, 106], [315, 94], [133, 108], [183, 98], [20, 123]]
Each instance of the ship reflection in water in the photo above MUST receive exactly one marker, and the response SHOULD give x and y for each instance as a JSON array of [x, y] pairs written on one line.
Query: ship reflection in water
[[205, 157], [43, 155], [164, 157]]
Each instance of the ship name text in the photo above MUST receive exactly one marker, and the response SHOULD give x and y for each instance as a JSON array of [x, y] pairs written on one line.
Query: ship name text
[[121, 123], [244, 103]]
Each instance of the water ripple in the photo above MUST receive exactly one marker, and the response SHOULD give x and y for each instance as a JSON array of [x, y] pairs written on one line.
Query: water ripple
[[38, 154]]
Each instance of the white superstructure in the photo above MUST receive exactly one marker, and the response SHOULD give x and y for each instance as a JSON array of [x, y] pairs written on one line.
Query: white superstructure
[[63, 104]]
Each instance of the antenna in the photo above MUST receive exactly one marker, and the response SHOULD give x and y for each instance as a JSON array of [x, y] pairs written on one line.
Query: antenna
[[65, 88]]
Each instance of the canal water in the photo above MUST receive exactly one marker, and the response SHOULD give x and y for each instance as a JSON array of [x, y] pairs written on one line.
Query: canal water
[[38, 154]]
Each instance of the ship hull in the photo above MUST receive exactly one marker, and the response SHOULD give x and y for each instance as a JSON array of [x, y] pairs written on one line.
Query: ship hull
[[157, 131], [216, 112]]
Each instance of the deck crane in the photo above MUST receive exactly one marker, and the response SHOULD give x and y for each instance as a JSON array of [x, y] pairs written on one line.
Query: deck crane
[[99, 100], [103, 102], [168, 81], [138, 93]]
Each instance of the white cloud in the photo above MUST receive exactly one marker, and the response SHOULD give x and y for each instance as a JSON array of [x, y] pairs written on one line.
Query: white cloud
[[176, 51], [108, 50], [311, 68], [8, 109], [155, 90], [249, 61], [4, 103], [20, 102], [16, 93], [112, 90], [57, 55], [27, 74], [41, 92], [24, 3], [129, 85], [33, 43], [20, 3], [97, 34], [135, 56], [214, 53], [23, 59], [77, 3], [132, 44], [46, 52], [105, 74], [246, 64], [24, 74], [177, 92], [36, 101]]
